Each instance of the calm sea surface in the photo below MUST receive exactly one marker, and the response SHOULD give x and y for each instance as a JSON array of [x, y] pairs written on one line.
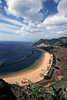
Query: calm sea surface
[[17, 56]]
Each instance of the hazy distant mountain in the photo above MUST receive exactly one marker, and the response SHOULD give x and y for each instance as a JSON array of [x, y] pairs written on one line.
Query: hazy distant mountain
[[53, 42]]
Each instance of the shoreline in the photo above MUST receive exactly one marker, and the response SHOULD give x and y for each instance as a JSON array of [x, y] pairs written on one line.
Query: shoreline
[[33, 74], [24, 70]]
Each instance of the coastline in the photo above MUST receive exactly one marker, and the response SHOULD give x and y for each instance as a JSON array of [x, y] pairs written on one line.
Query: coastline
[[33, 74], [24, 70]]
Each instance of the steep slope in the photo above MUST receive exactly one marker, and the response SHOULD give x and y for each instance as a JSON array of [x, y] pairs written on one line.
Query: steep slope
[[62, 42]]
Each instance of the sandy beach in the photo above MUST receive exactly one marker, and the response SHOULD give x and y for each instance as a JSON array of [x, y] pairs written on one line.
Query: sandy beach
[[34, 74]]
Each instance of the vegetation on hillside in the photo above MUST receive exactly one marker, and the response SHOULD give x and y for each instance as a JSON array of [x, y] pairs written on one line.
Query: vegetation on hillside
[[34, 92], [31, 92]]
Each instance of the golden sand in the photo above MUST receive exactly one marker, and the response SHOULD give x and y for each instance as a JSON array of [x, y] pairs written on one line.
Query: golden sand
[[34, 74]]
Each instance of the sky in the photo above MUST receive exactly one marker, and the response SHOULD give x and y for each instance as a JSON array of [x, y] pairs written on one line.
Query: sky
[[31, 20]]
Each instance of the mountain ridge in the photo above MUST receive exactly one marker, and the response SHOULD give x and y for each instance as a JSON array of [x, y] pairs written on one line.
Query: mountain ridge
[[62, 42]]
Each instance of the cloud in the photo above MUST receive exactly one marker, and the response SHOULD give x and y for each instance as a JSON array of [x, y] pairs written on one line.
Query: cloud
[[0, 1], [57, 24], [56, 1], [61, 17], [9, 20], [53, 26], [8, 26], [10, 37], [32, 32], [62, 7], [56, 20], [25, 8], [32, 28]]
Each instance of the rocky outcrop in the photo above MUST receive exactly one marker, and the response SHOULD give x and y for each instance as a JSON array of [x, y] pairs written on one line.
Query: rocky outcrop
[[5, 91], [60, 42]]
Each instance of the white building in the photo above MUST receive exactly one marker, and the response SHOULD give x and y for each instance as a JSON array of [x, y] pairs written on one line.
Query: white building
[[42, 45]]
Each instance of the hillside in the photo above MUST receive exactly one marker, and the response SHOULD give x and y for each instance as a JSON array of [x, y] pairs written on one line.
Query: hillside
[[38, 91], [59, 48], [31, 92], [62, 42]]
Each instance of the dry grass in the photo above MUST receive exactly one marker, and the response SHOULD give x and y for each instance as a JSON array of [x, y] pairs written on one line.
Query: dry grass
[[61, 55]]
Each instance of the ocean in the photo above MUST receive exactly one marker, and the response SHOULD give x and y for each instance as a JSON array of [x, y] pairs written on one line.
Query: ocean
[[17, 56]]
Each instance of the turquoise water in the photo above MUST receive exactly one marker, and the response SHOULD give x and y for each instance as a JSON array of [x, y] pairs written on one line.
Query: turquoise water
[[17, 56]]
